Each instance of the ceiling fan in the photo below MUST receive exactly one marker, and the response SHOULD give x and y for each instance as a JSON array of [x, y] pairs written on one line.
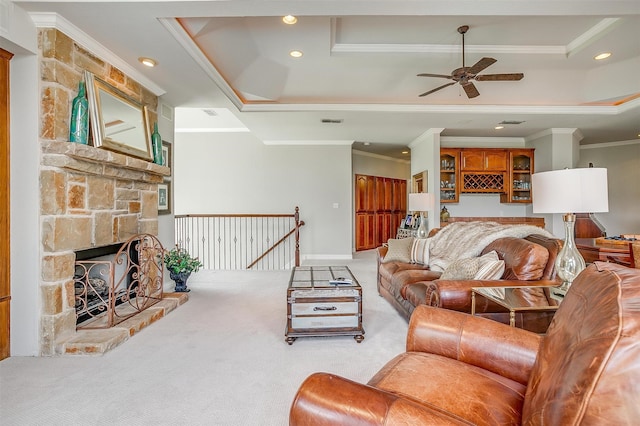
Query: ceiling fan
[[465, 75]]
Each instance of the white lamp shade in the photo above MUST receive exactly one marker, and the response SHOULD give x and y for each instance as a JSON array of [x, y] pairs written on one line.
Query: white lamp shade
[[570, 191], [421, 201]]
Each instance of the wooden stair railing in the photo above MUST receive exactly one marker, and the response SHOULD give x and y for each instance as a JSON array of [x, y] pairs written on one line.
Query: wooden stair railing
[[241, 241]]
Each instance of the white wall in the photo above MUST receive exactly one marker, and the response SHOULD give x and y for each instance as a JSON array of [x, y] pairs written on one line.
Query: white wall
[[21, 40], [166, 222], [237, 173], [622, 161]]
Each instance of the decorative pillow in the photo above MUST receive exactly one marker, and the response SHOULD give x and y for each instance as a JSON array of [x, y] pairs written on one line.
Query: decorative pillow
[[491, 270], [467, 269], [461, 269], [399, 250], [420, 251]]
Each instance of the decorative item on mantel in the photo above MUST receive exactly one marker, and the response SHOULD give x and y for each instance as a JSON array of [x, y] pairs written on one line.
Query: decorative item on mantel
[[570, 191], [156, 144], [180, 265], [79, 124]]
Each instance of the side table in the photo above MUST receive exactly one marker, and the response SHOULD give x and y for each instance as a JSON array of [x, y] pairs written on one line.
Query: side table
[[506, 297]]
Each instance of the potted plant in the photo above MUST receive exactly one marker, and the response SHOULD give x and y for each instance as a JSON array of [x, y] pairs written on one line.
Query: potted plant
[[180, 265]]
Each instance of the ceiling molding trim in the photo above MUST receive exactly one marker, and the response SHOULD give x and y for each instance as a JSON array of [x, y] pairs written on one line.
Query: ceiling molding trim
[[609, 144], [591, 35], [181, 36], [455, 109], [482, 139], [629, 105], [379, 156], [211, 130], [53, 20], [445, 48], [427, 136], [550, 132], [309, 142]]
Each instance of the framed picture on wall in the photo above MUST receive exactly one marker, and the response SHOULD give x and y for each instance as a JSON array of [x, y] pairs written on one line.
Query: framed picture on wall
[[420, 182], [166, 154], [164, 198]]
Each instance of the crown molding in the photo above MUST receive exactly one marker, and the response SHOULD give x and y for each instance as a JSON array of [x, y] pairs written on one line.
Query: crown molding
[[53, 20], [180, 34], [609, 144], [308, 142]]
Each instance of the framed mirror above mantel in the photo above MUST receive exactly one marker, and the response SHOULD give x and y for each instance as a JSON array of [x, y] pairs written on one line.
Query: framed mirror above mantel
[[117, 122]]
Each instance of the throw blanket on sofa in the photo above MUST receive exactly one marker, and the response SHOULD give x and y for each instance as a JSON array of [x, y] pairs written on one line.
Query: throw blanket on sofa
[[467, 239]]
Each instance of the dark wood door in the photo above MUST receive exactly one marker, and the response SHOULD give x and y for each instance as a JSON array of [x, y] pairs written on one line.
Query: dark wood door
[[380, 206], [5, 261]]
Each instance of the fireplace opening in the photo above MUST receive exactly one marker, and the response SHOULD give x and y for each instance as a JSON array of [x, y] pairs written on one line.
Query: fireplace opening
[[114, 282]]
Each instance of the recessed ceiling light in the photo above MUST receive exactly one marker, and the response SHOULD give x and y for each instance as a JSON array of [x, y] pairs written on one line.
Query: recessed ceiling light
[[289, 19], [295, 54], [405, 152], [499, 127], [602, 56], [147, 61]]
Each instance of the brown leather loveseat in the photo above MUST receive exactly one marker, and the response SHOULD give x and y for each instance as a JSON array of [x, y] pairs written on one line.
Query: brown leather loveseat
[[529, 261], [461, 369]]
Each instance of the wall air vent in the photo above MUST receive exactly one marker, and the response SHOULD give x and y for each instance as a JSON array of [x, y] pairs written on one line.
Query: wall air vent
[[332, 120], [511, 122], [210, 112]]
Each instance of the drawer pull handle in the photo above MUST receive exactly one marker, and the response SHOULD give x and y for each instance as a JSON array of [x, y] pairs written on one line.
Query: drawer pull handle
[[324, 308]]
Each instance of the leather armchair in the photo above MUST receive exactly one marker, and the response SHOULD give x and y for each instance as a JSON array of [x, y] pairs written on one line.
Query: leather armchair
[[460, 369]]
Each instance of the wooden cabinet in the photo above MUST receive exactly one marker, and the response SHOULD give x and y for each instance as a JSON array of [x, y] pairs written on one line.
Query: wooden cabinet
[[518, 185], [484, 160], [486, 170], [449, 175], [380, 206]]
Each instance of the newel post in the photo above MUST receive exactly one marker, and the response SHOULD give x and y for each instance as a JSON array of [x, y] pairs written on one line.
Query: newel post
[[297, 219]]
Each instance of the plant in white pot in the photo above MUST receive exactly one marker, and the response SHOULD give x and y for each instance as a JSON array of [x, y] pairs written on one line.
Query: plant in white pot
[[180, 265]]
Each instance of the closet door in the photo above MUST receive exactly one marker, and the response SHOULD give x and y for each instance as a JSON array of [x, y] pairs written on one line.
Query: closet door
[[5, 262]]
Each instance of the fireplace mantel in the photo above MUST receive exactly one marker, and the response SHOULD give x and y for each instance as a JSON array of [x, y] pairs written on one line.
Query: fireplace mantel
[[97, 161]]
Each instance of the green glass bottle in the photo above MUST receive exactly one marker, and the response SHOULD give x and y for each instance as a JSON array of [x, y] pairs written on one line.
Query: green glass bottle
[[79, 125], [156, 144]]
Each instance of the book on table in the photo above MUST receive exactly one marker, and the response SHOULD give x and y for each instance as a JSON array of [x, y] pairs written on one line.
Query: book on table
[[341, 281]]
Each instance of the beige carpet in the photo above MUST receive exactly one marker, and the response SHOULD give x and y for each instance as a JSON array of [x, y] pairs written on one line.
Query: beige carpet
[[220, 359]]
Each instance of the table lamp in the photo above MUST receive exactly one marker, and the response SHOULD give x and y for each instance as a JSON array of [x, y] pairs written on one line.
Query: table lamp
[[421, 202], [570, 191]]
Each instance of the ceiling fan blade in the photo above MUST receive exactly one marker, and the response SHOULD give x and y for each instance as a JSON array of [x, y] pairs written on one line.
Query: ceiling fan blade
[[436, 89], [481, 64], [500, 77], [470, 90], [434, 75]]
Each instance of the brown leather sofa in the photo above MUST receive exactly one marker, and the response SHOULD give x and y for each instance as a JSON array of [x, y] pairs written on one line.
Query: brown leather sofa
[[529, 261], [460, 369]]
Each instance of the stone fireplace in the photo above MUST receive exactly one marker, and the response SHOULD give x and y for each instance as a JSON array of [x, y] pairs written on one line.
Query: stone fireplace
[[89, 197]]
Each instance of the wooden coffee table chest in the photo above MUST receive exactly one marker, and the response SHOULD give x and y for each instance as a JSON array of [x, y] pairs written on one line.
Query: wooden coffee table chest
[[323, 301]]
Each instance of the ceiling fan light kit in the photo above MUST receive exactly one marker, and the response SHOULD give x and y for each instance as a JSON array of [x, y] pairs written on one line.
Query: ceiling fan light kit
[[464, 75]]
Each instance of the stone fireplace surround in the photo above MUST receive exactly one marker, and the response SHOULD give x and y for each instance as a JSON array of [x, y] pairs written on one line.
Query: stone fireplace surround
[[89, 197]]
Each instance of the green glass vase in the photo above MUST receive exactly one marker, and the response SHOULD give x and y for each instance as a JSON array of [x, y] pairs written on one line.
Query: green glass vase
[[156, 144], [79, 125]]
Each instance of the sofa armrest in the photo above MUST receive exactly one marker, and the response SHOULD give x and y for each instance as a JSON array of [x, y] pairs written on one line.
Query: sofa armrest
[[507, 351], [382, 251], [325, 399], [456, 294]]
